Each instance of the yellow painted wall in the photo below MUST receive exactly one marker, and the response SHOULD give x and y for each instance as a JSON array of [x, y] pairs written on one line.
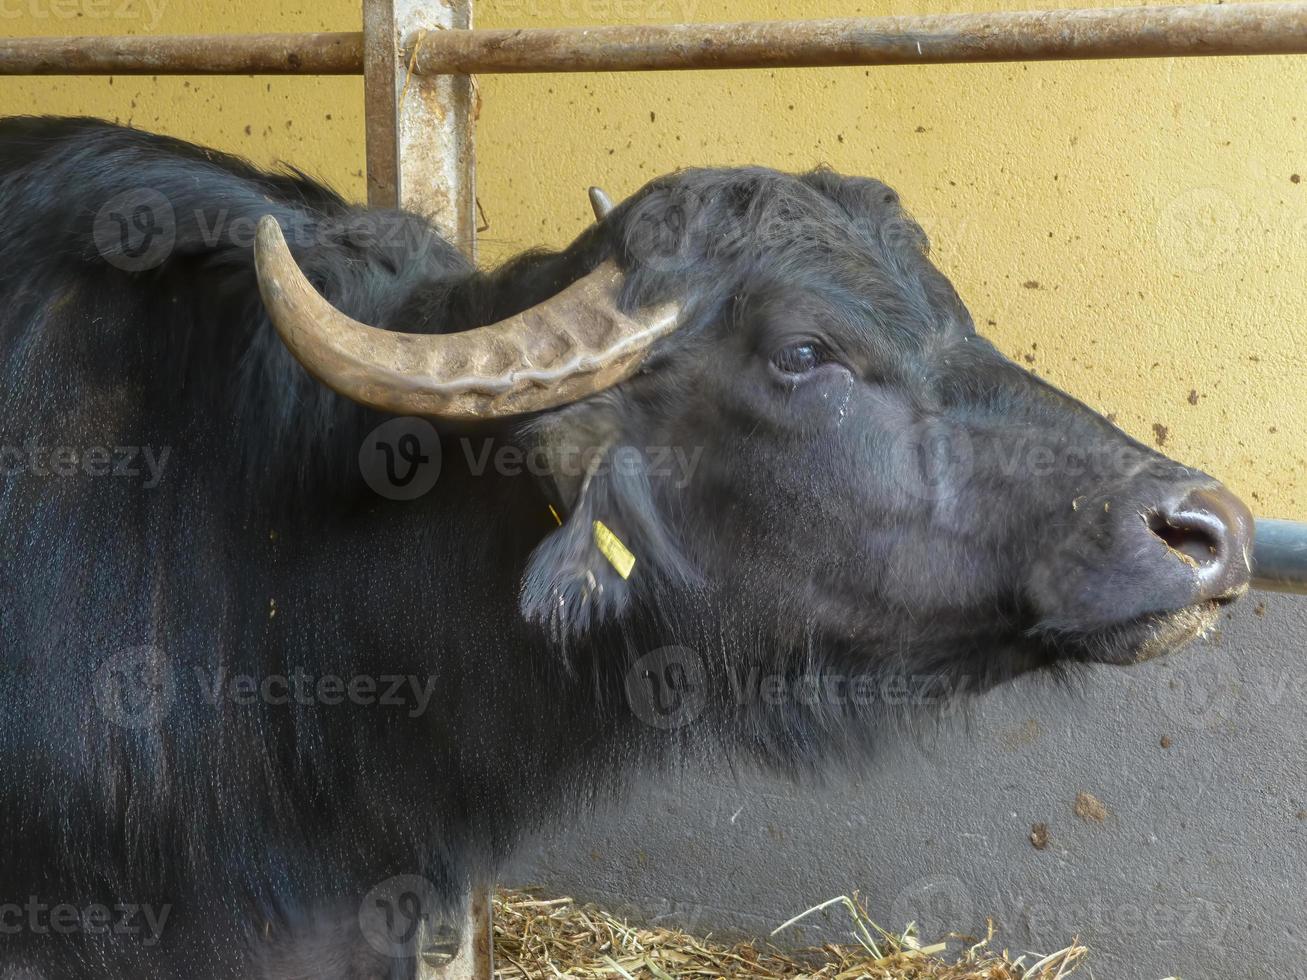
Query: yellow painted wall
[[1134, 231]]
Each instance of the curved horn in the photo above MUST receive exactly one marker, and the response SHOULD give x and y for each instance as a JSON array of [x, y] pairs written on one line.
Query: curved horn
[[601, 202], [572, 345]]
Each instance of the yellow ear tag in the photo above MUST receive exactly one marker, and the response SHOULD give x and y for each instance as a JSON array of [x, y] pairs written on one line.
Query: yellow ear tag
[[612, 548]]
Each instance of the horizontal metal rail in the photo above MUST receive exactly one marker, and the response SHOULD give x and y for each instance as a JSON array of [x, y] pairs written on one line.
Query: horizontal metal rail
[[1043, 35], [218, 54], [1280, 556]]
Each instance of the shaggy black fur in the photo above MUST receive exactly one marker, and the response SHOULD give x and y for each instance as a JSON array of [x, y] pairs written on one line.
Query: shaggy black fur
[[857, 510]]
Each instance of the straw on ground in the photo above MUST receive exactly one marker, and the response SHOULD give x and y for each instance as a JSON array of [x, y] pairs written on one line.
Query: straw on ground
[[538, 937]]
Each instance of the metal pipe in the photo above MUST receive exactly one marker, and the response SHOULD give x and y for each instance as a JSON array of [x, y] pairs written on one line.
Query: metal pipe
[[1280, 556], [1044, 35], [1131, 32], [229, 54]]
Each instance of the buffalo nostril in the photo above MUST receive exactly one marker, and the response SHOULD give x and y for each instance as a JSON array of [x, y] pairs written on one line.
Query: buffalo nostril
[[1192, 540], [1210, 529]]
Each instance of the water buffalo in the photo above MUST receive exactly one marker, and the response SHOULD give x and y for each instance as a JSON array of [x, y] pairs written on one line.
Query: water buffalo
[[323, 587]]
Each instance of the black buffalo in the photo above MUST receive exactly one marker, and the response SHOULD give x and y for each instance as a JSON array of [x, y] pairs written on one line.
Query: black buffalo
[[282, 674]]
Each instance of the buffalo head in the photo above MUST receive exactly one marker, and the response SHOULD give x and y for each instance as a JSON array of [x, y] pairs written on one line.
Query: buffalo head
[[791, 424]]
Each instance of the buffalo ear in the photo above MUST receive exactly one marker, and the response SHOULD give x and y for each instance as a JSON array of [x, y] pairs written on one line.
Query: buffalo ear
[[613, 543], [569, 586]]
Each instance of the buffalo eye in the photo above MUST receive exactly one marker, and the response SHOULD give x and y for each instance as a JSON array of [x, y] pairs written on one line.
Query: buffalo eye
[[798, 358]]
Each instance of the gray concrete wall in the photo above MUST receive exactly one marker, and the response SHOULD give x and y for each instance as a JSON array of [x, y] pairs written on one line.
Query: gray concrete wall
[[1196, 866]]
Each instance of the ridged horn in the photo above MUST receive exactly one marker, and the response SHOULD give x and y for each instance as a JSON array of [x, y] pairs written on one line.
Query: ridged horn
[[601, 202], [572, 345]]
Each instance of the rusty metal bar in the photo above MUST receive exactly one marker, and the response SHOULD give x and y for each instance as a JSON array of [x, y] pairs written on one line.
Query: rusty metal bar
[[232, 54], [419, 128], [1280, 556], [1045, 35], [381, 67], [474, 955], [420, 156]]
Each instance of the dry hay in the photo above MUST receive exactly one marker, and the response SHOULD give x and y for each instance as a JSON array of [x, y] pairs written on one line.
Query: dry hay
[[537, 938]]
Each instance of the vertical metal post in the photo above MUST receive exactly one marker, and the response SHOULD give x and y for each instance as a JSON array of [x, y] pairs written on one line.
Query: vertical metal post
[[419, 127], [474, 958], [420, 157]]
